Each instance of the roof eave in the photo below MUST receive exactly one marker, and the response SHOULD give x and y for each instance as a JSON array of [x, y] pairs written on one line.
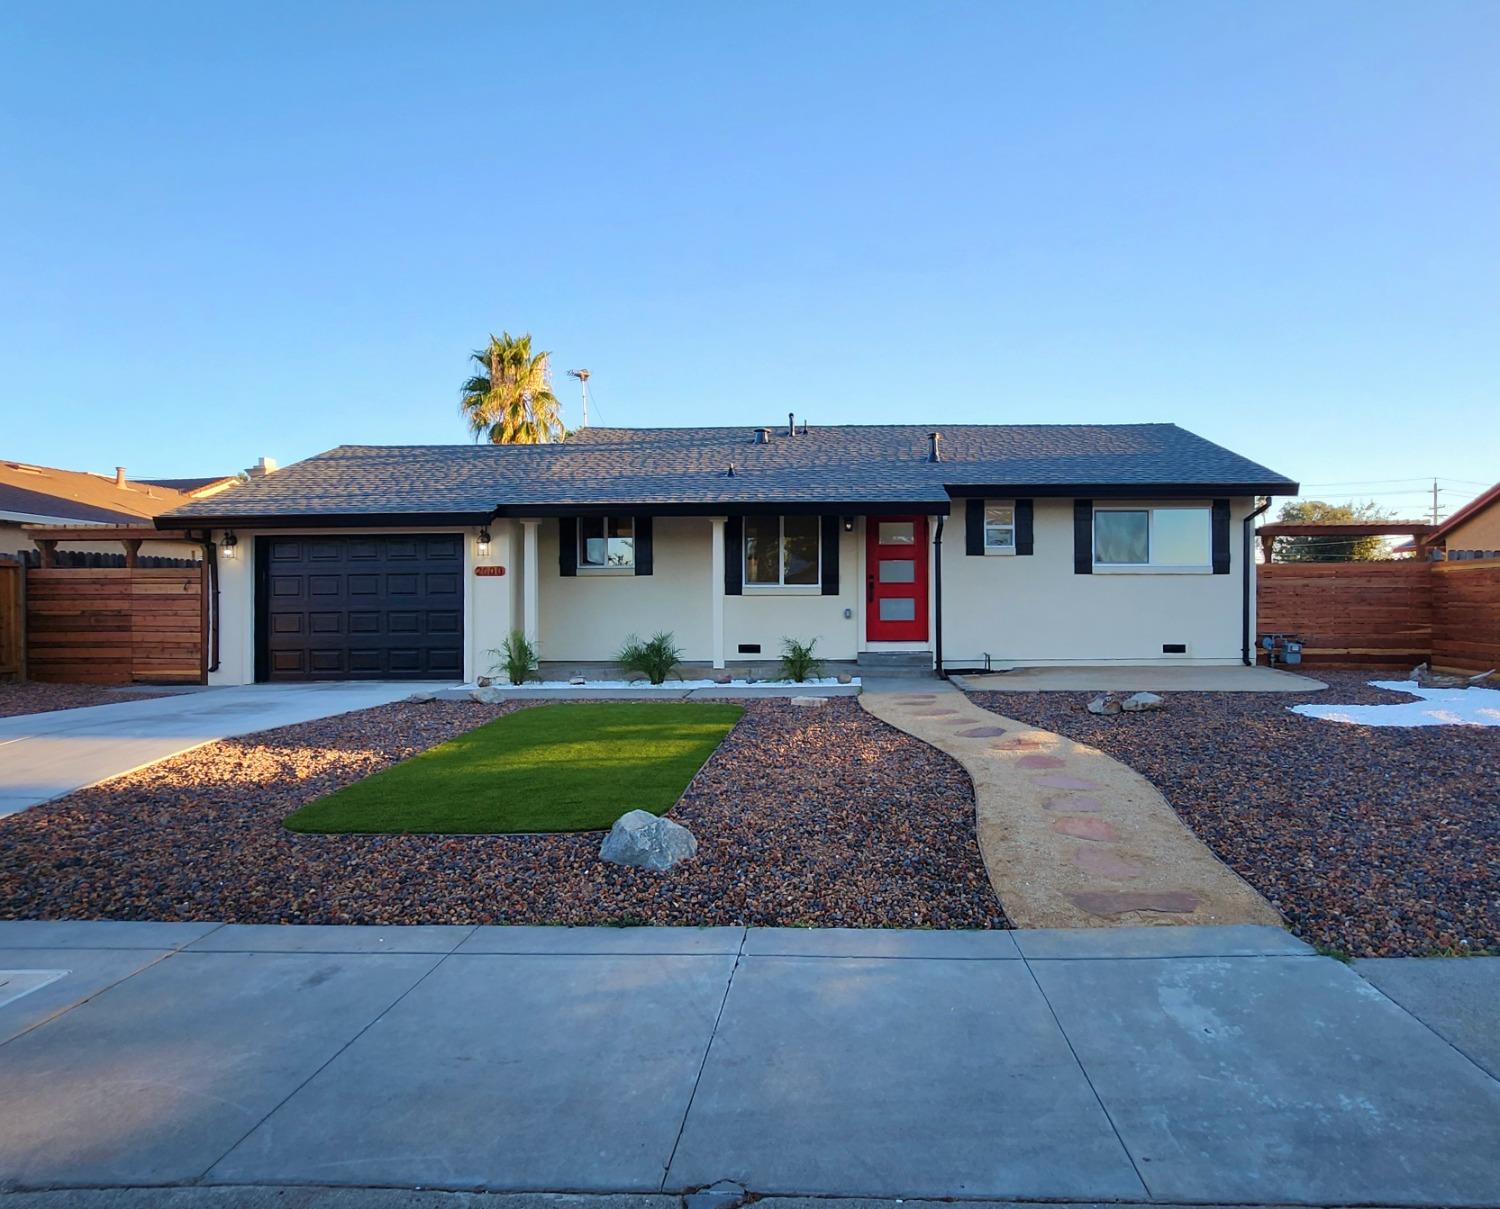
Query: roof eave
[[1176, 490]]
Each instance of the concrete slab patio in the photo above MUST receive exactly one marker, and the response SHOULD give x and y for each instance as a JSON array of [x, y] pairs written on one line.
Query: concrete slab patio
[[1187, 1065], [1152, 678], [43, 756]]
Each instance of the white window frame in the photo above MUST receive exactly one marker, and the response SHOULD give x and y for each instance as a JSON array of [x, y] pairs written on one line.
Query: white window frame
[[1001, 550], [781, 585], [1150, 567], [588, 568]]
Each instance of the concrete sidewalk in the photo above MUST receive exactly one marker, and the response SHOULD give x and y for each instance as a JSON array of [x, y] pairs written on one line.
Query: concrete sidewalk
[[43, 756], [1198, 1065]]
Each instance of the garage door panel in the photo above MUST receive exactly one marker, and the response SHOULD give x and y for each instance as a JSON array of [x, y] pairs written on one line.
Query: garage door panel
[[366, 607]]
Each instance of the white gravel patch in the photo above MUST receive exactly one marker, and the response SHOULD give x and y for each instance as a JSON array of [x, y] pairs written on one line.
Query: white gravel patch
[[671, 686], [1434, 707]]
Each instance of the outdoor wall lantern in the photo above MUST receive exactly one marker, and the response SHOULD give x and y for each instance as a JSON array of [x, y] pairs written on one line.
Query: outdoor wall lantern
[[229, 543], [848, 524], [482, 545]]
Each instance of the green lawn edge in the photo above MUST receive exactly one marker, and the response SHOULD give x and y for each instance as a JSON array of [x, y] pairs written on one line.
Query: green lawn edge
[[562, 767]]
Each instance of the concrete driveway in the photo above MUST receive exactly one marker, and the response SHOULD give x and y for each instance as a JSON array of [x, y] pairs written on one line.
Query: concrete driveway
[[43, 756], [1178, 1065]]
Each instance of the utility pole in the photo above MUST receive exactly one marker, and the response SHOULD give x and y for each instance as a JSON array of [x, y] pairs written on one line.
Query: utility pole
[[1434, 501], [583, 377]]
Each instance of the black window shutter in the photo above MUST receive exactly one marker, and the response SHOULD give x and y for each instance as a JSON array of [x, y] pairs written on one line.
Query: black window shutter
[[830, 544], [974, 527], [1221, 537], [1024, 527], [567, 545], [1083, 537], [644, 564], [734, 556]]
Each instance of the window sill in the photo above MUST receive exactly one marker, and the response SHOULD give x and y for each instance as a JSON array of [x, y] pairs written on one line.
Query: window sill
[[1148, 570], [606, 572], [783, 589], [989, 553]]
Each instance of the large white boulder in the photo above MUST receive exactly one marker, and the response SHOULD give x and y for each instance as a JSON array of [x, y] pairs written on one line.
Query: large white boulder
[[647, 841]]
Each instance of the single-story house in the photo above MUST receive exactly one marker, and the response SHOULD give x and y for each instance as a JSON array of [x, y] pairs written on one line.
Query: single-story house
[[958, 546], [45, 495]]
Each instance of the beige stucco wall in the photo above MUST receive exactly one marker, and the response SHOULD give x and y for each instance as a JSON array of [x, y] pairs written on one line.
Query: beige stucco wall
[[1480, 532], [1036, 610]]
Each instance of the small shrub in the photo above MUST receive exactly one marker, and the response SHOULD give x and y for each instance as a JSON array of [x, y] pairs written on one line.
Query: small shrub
[[518, 657], [798, 661], [656, 659]]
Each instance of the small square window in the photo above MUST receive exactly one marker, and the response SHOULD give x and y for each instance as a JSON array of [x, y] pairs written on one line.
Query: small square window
[[606, 542], [1000, 528], [1122, 538]]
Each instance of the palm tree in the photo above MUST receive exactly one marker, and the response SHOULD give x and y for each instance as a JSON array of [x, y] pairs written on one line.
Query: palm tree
[[510, 399]]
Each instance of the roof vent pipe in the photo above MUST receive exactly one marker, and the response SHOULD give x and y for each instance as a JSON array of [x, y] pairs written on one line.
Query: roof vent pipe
[[762, 436], [119, 476], [730, 475], [933, 453], [791, 424]]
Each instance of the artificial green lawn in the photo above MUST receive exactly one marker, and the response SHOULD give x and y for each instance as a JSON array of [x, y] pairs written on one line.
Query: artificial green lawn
[[549, 768]]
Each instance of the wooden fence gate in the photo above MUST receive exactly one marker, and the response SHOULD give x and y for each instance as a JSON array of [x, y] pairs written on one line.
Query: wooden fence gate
[[12, 620], [94, 625]]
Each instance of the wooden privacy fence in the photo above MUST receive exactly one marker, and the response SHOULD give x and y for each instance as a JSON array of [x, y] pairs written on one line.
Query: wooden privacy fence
[[1385, 613], [115, 625], [12, 620]]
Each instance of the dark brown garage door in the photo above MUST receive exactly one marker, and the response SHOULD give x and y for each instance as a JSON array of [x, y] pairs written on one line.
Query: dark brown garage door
[[360, 608]]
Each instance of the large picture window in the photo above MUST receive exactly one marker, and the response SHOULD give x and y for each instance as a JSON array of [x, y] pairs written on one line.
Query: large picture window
[[606, 543], [1152, 537], [781, 551]]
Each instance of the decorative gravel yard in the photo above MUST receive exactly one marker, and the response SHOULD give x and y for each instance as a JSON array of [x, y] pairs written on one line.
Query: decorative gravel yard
[[31, 697], [819, 816], [1371, 841]]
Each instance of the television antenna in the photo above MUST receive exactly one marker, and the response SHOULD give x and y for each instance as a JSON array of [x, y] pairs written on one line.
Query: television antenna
[[583, 378]]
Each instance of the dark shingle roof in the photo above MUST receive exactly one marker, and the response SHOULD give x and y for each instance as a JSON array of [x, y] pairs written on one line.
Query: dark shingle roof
[[686, 468]]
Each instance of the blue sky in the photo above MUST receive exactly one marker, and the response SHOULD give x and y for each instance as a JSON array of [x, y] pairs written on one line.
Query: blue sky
[[235, 230]]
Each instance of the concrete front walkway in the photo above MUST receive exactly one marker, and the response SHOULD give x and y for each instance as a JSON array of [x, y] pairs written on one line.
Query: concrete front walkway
[[1071, 837], [1188, 1065], [1152, 678], [43, 756]]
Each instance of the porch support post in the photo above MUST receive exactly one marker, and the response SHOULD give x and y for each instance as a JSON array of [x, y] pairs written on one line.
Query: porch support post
[[716, 588], [531, 574]]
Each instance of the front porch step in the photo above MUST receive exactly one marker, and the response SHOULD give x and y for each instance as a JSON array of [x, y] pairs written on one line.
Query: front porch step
[[915, 664]]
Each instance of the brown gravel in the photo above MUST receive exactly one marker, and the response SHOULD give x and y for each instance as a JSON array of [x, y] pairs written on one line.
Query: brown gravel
[[823, 817], [1373, 841], [29, 697]]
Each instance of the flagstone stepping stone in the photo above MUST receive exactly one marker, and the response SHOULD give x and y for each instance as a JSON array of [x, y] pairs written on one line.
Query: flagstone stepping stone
[[934, 713], [1056, 782], [918, 699], [1102, 862], [1117, 902], [982, 732], [1017, 744], [1087, 829], [1040, 762], [1076, 805]]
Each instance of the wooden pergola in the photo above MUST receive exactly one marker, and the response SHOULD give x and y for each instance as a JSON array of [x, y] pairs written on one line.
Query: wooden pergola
[[46, 538], [1416, 530]]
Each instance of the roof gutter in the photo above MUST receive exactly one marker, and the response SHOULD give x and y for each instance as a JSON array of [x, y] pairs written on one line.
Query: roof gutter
[[1248, 560]]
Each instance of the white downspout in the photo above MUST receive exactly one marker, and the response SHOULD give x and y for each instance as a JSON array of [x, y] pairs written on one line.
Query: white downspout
[[716, 588]]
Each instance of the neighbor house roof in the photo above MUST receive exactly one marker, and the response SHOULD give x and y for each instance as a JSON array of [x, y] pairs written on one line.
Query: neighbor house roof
[[47, 495], [687, 470], [194, 486]]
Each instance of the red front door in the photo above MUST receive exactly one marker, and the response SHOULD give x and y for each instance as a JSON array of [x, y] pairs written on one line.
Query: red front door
[[896, 578]]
